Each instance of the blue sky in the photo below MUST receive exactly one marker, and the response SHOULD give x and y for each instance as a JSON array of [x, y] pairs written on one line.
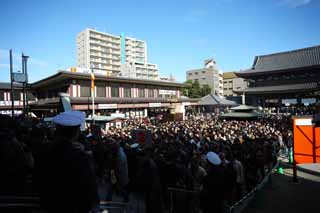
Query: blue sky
[[179, 34]]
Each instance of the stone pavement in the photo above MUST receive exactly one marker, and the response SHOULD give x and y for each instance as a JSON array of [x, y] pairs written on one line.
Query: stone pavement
[[281, 195]]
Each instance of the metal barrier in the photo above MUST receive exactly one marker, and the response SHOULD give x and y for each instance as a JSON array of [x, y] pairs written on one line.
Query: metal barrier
[[22, 203], [115, 207]]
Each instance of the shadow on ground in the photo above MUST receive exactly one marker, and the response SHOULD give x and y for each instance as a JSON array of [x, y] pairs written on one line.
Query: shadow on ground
[[280, 194]]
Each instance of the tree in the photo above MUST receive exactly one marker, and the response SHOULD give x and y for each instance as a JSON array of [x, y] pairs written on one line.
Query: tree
[[205, 90], [186, 90], [195, 90]]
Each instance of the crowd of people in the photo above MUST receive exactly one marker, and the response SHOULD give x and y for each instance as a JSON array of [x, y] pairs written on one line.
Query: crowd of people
[[214, 161]]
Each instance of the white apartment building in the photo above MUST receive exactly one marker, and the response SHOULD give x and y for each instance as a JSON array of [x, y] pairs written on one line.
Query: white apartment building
[[120, 55]]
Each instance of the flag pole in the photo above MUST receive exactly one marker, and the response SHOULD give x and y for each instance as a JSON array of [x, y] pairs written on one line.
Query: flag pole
[[92, 90]]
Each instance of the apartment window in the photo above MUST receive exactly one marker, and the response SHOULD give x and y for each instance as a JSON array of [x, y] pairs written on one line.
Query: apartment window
[[196, 73], [85, 91], [203, 72], [141, 93], [101, 91], [204, 79], [127, 92], [114, 91], [1, 95]]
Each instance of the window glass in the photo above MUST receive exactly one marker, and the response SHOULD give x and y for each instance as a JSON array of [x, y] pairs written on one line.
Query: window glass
[[1, 95], [127, 92], [101, 91], [114, 91], [16, 95], [85, 91], [141, 93]]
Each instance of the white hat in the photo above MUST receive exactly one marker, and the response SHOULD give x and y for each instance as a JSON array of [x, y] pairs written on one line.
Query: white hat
[[69, 118], [213, 158], [134, 146]]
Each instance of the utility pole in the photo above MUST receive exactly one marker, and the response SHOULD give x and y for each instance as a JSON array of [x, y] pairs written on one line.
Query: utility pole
[[23, 88], [12, 90], [25, 84]]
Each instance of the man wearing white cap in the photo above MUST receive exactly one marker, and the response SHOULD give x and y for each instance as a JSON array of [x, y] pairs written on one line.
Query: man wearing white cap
[[213, 185], [65, 180]]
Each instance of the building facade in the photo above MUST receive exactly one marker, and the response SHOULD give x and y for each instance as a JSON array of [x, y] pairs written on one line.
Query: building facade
[[284, 79], [210, 75], [6, 99], [120, 55], [132, 97], [232, 83]]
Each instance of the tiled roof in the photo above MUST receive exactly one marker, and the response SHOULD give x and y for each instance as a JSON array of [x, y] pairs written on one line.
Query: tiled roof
[[227, 75], [301, 58], [215, 100], [6, 85]]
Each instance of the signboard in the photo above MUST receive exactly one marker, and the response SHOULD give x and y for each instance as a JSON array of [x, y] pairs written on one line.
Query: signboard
[[142, 136], [107, 106], [304, 122], [154, 104], [289, 101], [167, 92], [19, 77]]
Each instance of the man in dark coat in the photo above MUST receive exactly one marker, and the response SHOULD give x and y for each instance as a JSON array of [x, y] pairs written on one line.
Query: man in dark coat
[[211, 197], [64, 178]]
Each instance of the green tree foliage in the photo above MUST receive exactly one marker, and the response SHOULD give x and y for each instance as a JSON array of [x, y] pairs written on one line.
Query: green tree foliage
[[205, 90], [195, 90]]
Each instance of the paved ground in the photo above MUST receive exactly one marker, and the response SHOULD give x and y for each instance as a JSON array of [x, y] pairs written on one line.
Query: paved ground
[[281, 195]]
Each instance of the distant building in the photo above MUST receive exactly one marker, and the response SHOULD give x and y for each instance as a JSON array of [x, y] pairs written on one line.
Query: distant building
[[210, 75], [231, 83], [288, 78], [120, 55], [166, 78]]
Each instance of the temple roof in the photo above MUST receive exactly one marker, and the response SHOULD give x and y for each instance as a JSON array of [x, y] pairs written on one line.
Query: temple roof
[[63, 75], [215, 100], [289, 60]]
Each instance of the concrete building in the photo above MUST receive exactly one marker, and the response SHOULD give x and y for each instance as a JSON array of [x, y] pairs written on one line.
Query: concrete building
[[120, 55], [210, 75], [233, 83]]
